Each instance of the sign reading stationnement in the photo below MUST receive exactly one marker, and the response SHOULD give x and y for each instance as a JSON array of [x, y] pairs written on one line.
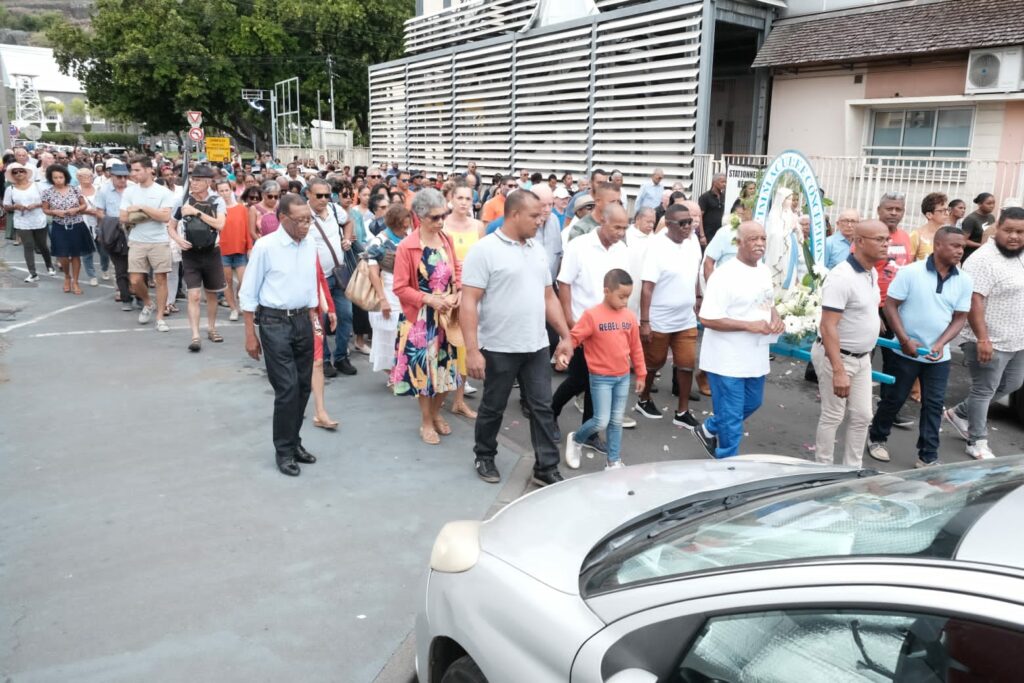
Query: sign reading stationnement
[[218, 149], [796, 164]]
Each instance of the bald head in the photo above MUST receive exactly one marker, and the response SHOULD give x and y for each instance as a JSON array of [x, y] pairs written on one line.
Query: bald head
[[751, 240], [614, 222], [870, 228], [547, 199]]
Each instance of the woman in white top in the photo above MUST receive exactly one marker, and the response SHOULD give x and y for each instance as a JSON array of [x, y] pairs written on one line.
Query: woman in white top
[[23, 203], [380, 251], [91, 217]]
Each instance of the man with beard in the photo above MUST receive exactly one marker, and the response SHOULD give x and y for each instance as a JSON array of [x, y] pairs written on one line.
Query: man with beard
[[740, 321], [994, 342]]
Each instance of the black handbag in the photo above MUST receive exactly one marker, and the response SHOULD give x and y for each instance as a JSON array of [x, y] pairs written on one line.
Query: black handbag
[[340, 273]]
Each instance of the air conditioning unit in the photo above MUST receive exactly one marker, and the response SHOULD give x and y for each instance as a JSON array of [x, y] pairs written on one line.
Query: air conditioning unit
[[993, 70]]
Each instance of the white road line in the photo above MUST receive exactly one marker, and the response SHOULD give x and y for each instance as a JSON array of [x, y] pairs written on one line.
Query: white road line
[[44, 316], [140, 328], [57, 277]]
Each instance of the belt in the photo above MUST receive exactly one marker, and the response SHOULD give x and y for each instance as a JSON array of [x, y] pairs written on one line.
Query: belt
[[851, 354], [289, 312]]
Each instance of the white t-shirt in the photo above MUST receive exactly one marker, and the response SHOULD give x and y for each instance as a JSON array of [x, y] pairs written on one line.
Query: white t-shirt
[[584, 265], [26, 220], [637, 243], [155, 196], [333, 231], [673, 268], [738, 292]]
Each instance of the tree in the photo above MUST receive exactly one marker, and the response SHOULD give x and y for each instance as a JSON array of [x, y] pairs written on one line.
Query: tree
[[150, 62]]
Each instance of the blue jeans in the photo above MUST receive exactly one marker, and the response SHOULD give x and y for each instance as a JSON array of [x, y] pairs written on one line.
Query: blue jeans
[[734, 400], [89, 264], [933, 378], [609, 395], [343, 309]]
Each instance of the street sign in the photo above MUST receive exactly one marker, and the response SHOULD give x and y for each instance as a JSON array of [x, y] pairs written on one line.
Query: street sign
[[32, 132], [195, 118], [196, 134], [218, 149]]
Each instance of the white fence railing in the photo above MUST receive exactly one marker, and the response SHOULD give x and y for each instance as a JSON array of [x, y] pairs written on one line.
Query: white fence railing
[[858, 182], [348, 156]]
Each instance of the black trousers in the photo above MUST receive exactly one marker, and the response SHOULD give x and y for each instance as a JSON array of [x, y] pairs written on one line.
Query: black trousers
[[534, 373], [577, 380], [288, 352], [31, 240], [121, 279], [889, 360]]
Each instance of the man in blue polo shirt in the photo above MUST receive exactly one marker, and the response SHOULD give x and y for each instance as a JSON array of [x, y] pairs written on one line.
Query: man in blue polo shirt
[[926, 306]]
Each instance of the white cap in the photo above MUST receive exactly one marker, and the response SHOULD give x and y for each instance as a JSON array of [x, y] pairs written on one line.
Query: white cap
[[561, 192]]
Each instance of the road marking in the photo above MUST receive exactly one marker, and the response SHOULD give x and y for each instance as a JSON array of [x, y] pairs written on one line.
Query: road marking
[[56, 277], [44, 316], [140, 328]]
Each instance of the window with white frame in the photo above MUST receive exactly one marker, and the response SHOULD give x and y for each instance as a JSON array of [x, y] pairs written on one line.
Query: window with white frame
[[934, 133]]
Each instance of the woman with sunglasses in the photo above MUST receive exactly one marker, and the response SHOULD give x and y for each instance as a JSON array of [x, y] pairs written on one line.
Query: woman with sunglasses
[[23, 203], [360, 320], [428, 285], [70, 236], [250, 197], [262, 218]]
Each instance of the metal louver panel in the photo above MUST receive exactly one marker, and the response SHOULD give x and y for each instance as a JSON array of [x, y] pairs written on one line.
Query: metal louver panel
[[387, 115], [465, 23], [482, 111], [429, 113]]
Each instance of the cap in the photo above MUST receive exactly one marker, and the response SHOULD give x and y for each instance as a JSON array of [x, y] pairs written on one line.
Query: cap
[[114, 161], [561, 193], [15, 165], [118, 169], [584, 202]]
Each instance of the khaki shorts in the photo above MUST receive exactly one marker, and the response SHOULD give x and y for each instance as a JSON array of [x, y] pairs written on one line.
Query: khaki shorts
[[142, 256], [682, 343]]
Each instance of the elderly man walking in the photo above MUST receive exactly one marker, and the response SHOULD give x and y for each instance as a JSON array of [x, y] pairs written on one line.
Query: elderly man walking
[[926, 306], [994, 342], [280, 293], [740, 321], [839, 244], [507, 296], [649, 196], [842, 354]]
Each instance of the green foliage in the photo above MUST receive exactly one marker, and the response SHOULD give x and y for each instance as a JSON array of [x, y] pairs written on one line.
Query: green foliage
[[29, 21], [79, 108], [53, 107], [150, 62], [90, 139]]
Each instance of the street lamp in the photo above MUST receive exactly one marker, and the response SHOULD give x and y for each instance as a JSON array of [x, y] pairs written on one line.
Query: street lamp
[[253, 97]]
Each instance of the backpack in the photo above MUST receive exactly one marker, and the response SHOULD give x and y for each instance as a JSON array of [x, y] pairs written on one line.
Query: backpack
[[200, 235]]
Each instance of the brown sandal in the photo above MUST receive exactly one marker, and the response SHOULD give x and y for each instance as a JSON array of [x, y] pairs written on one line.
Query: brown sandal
[[429, 437], [75, 289], [442, 427], [213, 336], [464, 410]]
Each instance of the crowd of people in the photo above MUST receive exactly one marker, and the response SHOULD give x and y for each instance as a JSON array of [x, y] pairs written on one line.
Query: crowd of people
[[509, 282]]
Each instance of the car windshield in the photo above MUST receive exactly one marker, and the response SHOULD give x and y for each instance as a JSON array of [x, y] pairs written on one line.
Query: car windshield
[[923, 512]]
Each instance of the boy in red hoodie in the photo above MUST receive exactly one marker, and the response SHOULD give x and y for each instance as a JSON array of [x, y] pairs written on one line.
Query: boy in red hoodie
[[612, 337]]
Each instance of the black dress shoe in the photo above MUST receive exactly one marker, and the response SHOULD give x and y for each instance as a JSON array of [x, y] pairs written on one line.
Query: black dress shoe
[[304, 456], [486, 470], [344, 367], [288, 467], [329, 371], [547, 478]]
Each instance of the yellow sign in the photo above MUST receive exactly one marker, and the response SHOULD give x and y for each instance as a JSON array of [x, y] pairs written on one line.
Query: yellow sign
[[218, 149]]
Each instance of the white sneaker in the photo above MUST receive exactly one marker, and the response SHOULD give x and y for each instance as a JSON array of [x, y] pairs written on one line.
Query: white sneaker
[[106, 275], [614, 465], [32, 278], [161, 326], [51, 272], [578, 402], [233, 316], [468, 389], [146, 314], [961, 425], [573, 451], [979, 450], [628, 422], [921, 464], [93, 282], [878, 451]]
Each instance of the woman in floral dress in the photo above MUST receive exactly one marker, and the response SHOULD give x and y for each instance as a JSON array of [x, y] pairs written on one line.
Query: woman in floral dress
[[428, 284]]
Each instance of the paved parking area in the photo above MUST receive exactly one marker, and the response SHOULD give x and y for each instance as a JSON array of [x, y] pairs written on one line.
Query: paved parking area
[[145, 533]]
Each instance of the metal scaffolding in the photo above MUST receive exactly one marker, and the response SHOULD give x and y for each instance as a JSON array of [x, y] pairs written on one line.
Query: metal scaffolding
[[28, 108]]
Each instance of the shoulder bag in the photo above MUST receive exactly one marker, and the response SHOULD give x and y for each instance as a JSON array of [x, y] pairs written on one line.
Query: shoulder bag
[[342, 272], [360, 290]]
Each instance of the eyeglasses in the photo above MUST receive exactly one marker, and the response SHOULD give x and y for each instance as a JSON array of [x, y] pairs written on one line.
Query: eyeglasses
[[322, 196], [878, 240], [305, 220], [434, 217], [344, 194], [374, 175], [271, 196]]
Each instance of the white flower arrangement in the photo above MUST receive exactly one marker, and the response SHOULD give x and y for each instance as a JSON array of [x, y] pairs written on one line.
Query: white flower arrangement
[[800, 311]]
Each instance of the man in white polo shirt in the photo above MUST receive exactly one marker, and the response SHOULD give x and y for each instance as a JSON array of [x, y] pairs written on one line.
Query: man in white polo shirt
[[668, 311], [587, 259], [740, 321], [842, 354]]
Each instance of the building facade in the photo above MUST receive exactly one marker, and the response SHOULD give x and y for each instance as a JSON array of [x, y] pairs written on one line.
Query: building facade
[[626, 85]]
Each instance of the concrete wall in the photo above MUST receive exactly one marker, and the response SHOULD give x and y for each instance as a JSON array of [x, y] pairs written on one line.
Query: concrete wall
[[809, 113]]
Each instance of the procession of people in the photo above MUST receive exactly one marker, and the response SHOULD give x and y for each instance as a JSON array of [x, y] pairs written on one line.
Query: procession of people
[[441, 281]]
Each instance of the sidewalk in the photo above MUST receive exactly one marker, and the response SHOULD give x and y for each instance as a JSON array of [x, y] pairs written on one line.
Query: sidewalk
[[147, 535]]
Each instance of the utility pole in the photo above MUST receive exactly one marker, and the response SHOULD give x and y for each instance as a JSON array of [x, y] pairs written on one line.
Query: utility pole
[[330, 74], [319, 119], [5, 124]]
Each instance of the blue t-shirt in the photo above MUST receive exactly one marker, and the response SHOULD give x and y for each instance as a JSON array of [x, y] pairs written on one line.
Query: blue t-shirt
[[929, 302], [837, 250], [495, 224]]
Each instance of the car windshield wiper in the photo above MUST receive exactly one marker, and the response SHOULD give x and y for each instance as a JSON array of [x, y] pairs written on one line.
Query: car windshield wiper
[[685, 510]]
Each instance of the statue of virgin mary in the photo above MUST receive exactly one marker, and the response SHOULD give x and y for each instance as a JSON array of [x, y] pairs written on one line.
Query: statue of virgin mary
[[782, 251]]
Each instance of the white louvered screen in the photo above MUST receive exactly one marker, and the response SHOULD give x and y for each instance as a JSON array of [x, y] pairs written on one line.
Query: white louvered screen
[[465, 23], [646, 94], [482, 112], [429, 113], [552, 100], [387, 115]]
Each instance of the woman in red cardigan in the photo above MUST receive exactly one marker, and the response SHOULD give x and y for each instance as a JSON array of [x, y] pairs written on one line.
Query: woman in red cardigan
[[428, 283]]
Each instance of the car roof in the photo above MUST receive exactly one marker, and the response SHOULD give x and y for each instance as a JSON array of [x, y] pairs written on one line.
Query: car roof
[[548, 533], [990, 539]]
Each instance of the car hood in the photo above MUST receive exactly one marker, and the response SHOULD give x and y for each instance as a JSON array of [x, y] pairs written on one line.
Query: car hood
[[547, 534]]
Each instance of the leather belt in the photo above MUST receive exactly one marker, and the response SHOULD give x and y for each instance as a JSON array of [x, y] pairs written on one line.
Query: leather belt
[[289, 312], [851, 354]]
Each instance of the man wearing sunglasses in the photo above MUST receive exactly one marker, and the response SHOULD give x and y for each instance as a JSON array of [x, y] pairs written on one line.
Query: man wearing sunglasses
[[494, 208], [332, 233]]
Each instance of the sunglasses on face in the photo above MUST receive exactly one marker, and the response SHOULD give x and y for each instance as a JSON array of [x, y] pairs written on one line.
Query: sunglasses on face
[[435, 217], [322, 196], [271, 196], [685, 223]]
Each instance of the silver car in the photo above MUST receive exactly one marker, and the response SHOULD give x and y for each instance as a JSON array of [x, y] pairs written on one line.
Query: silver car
[[748, 569]]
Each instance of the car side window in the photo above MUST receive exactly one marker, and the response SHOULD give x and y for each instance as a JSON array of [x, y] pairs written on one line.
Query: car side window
[[838, 645]]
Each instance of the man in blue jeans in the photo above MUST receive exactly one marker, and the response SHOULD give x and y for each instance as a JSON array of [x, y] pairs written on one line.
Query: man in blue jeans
[[334, 236], [926, 306], [740, 321]]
